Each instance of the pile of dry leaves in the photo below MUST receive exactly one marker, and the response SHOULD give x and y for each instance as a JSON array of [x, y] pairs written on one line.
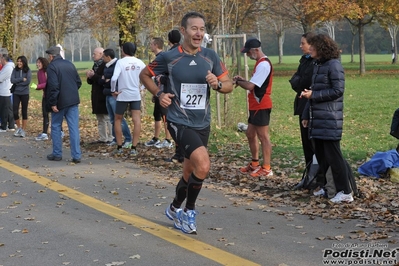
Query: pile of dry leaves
[[377, 207]]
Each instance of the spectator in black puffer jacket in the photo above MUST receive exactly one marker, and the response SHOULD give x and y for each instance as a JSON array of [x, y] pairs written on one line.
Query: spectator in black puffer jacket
[[323, 114], [302, 79]]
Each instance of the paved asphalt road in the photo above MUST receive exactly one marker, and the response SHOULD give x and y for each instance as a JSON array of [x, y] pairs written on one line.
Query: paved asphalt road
[[110, 212]]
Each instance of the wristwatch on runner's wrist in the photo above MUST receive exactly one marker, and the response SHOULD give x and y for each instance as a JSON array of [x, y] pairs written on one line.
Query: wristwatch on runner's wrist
[[220, 84]]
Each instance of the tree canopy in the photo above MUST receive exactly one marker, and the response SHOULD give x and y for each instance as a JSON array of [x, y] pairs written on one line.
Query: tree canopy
[[138, 20]]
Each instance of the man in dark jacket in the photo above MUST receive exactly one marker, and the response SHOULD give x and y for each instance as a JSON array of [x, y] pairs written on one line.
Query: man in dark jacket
[[63, 83], [98, 99]]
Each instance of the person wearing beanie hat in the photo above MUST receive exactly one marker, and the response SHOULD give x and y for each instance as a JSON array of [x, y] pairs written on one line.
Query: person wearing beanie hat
[[193, 72], [174, 38], [126, 74], [129, 48], [260, 106]]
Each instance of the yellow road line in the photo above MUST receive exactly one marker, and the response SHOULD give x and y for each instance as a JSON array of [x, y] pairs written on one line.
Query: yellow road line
[[172, 236]]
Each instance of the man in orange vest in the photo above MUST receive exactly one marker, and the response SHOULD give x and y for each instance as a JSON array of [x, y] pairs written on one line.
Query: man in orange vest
[[260, 107]]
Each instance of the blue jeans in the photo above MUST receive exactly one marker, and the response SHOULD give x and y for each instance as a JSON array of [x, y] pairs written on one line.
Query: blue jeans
[[71, 115], [111, 107]]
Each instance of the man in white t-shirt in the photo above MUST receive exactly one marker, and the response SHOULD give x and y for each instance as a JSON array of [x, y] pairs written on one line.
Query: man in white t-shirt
[[126, 74]]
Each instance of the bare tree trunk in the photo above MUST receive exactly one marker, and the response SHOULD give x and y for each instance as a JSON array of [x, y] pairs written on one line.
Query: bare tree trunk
[[330, 26], [393, 31], [280, 37], [362, 49], [89, 45]]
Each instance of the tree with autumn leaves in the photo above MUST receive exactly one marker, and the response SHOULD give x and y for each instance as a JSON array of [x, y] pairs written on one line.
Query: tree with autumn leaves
[[139, 20], [359, 13]]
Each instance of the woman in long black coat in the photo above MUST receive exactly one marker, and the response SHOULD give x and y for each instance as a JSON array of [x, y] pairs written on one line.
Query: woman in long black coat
[[323, 114]]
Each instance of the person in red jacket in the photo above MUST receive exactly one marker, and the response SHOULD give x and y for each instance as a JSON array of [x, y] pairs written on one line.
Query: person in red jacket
[[260, 107]]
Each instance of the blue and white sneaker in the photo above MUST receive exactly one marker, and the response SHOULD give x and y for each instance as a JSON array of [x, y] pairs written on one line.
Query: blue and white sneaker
[[133, 152], [164, 144], [18, 132], [42, 136], [188, 224], [22, 133], [152, 142], [174, 215]]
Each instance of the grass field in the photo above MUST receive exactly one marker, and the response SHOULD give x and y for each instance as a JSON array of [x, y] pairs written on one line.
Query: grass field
[[370, 101]]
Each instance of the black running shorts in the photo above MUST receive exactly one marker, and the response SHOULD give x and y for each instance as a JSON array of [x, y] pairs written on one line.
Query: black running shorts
[[259, 117], [189, 139]]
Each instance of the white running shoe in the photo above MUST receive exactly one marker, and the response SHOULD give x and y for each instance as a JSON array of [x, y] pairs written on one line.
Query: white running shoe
[[42, 136], [18, 132], [319, 192], [341, 197], [174, 215], [22, 133], [164, 144], [188, 223], [152, 142]]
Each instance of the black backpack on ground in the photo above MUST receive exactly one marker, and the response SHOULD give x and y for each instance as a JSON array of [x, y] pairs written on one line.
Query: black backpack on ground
[[309, 175], [309, 180]]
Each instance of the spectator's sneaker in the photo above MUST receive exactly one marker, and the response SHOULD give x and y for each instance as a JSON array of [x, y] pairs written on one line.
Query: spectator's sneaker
[[341, 197], [75, 160], [22, 134], [62, 134], [133, 152], [164, 144], [152, 142], [117, 152], [174, 215], [127, 145], [112, 143], [41, 136], [249, 169], [52, 157], [262, 172], [188, 224], [11, 129], [319, 192], [18, 132], [3, 130]]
